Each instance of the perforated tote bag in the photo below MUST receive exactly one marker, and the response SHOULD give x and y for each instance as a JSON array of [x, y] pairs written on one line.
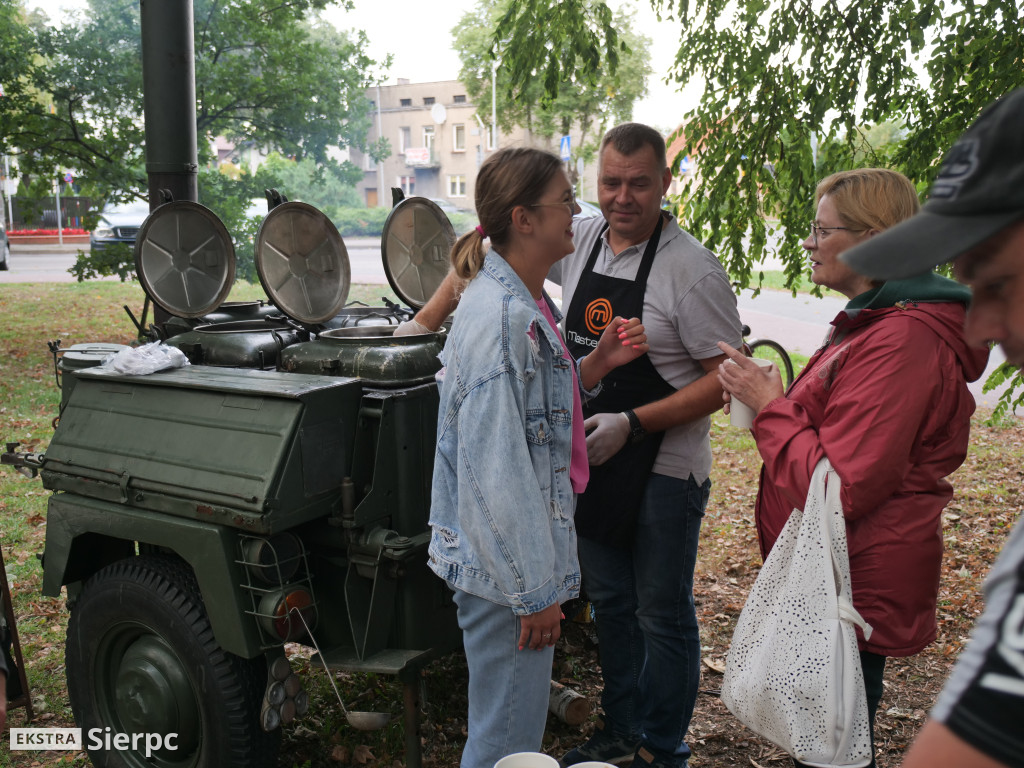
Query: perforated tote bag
[[793, 672]]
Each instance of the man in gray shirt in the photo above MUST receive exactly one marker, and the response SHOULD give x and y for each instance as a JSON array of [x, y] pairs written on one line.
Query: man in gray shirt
[[647, 444]]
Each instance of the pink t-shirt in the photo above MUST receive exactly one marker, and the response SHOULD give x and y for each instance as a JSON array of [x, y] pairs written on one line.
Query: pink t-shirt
[[579, 467]]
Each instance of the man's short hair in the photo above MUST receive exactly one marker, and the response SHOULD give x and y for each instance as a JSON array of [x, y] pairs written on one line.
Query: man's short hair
[[630, 138]]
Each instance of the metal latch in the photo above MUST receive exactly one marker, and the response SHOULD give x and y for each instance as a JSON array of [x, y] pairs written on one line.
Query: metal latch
[[25, 462]]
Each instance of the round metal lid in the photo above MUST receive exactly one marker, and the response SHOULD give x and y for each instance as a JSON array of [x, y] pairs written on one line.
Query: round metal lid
[[89, 354], [302, 263], [185, 259], [416, 245]]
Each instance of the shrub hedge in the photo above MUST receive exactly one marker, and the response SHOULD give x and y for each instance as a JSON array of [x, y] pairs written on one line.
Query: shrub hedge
[[369, 222]]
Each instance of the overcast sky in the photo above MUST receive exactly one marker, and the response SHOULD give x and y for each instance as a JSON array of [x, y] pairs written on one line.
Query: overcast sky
[[420, 39], [418, 34]]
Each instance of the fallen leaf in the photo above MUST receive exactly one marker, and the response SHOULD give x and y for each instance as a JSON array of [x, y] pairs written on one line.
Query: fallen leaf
[[362, 755], [340, 754], [715, 665]]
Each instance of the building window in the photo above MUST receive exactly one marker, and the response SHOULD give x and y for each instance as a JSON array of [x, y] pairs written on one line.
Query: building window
[[408, 185], [369, 164], [428, 137], [457, 186], [404, 139], [428, 100], [460, 99], [405, 102], [459, 137]]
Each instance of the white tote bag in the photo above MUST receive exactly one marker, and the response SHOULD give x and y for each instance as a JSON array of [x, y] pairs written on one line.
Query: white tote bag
[[793, 673]]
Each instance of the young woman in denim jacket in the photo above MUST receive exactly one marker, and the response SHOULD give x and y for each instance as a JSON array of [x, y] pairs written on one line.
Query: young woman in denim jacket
[[511, 452]]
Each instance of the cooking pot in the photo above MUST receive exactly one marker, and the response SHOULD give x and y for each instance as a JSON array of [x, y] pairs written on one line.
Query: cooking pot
[[238, 344], [371, 353], [360, 316]]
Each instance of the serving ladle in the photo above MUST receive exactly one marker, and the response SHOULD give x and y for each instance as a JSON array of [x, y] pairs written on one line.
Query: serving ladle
[[361, 721], [364, 721]]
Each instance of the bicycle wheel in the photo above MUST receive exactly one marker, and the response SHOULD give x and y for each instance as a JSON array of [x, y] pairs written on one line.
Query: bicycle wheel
[[772, 350]]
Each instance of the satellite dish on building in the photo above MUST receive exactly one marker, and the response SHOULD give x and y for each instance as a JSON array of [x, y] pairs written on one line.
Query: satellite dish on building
[[439, 113]]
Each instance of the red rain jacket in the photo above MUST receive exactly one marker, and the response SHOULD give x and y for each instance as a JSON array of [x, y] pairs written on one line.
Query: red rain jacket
[[887, 401]]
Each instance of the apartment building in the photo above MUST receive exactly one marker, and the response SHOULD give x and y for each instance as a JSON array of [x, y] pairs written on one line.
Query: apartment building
[[437, 143], [438, 140]]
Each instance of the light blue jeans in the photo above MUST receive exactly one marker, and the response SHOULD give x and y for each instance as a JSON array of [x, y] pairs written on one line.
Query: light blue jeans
[[508, 688], [646, 620]]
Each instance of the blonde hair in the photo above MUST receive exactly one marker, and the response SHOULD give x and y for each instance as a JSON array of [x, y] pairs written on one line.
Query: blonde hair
[[870, 198], [508, 178]]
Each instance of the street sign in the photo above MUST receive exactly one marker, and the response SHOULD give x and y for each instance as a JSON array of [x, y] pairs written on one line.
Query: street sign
[[564, 149]]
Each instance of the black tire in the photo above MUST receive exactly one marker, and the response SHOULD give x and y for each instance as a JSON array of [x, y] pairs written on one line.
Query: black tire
[[5, 257], [141, 658], [771, 350]]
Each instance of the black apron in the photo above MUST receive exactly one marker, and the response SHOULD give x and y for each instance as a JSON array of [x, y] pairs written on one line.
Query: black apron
[[607, 511]]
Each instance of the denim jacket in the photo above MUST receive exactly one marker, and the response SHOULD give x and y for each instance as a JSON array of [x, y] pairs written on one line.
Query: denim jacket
[[501, 504]]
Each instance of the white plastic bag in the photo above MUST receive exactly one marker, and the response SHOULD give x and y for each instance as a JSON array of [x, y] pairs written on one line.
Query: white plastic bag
[[149, 358], [793, 672]]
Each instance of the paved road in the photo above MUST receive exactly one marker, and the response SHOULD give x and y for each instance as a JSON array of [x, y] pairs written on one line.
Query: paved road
[[39, 264], [50, 263], [798, 323]]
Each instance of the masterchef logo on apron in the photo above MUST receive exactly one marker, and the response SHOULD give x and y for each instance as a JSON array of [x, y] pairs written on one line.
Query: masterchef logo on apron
[[597, 315], [607, 511]]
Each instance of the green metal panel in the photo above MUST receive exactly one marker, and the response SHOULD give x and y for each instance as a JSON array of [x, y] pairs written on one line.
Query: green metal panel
[[77, 357], [261, 450], [393, 458], [75, 525], [379, 611], [425, 612], [190, 459]]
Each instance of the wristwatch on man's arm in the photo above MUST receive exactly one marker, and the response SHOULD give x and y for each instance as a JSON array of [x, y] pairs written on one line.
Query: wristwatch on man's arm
[[636, 429]]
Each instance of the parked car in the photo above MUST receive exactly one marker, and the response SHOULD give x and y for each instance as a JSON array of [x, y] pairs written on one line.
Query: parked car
[[119, 224], [461, 219], [587, 210], [445, 205], [5, 249]]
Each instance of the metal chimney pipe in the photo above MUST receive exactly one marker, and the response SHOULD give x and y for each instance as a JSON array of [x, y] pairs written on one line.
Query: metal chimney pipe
[[169, 99]]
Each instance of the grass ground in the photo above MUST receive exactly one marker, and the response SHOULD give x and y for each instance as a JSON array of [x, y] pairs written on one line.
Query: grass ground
[[986, 505]]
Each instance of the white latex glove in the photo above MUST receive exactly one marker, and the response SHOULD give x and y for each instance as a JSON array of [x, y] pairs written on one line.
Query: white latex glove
[[411, 327], [606, 434]]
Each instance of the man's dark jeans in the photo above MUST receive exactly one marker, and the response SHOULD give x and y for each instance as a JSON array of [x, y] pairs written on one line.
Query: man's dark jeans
[[646, 622]]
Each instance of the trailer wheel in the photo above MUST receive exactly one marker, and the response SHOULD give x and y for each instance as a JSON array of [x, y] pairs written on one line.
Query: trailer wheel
[[142, 659]]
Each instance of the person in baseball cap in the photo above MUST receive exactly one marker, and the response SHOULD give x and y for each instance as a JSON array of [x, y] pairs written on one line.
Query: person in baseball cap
[[975, 218]]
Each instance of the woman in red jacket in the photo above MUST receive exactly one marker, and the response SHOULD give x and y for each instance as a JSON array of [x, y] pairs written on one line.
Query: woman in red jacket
[[886, 400]]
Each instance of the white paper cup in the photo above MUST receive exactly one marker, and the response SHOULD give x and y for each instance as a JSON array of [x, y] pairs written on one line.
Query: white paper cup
[[593, 764], [527, 760], [741, 414]]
